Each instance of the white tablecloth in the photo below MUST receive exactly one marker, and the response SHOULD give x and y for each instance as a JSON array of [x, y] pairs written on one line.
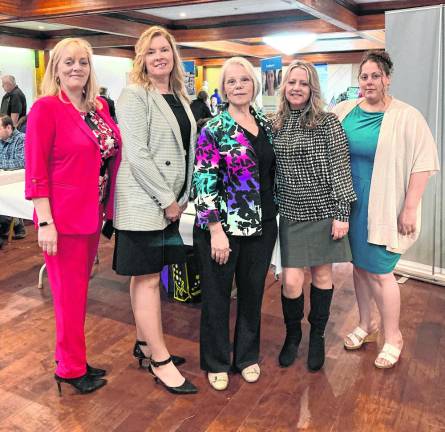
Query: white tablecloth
[[12, 195]]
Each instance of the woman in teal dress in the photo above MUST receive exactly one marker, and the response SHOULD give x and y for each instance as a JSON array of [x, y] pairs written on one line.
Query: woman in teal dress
[[392, 156]]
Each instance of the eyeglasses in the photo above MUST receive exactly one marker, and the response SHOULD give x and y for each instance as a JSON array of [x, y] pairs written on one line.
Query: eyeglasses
[[373, 76], [232, 82]]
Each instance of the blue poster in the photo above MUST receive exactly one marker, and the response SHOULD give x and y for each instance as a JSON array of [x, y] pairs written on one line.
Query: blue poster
[[322, 70], [271, 74], [189, 69]]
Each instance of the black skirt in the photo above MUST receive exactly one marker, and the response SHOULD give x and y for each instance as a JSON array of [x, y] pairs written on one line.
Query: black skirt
[[138, 253]]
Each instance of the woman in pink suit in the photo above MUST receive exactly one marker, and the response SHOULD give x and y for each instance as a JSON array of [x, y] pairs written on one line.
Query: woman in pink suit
[[72, 155]]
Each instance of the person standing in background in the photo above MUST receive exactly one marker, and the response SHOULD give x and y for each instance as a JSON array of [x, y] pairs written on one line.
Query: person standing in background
[[14, 100], [103, 92]]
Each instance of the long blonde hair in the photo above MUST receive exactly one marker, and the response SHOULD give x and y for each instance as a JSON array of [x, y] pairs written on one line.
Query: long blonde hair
[[139, 74], [313, 112], [51, 83]]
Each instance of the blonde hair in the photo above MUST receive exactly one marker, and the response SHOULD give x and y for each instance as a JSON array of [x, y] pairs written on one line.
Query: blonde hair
[[249, 69], [313, 112], [51, 82], [139, 74]]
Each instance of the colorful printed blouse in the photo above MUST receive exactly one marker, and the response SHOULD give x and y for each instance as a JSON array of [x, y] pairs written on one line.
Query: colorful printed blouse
[[107, 145], [226, 176]]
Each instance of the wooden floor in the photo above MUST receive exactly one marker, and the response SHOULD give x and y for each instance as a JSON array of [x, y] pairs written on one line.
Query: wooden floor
[[349, 394]]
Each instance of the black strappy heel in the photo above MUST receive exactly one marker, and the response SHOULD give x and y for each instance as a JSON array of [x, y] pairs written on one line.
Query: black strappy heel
[[144, 361], [185, 388]]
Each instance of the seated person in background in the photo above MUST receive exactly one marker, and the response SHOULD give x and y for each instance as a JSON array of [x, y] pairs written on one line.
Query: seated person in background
[[199, 106], [21, 124], [12, 153], [11, 157]]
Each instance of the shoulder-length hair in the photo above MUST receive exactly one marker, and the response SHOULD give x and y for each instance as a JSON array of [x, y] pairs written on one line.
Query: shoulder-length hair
[[139, 74], [313, 112], [250, 71], [51, 82]]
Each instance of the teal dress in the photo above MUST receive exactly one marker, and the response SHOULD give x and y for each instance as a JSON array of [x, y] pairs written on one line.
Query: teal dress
[[362, 129]]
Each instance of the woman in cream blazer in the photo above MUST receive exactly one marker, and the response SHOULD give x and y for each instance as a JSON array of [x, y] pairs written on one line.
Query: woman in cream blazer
[[158, 134], [393, 154]]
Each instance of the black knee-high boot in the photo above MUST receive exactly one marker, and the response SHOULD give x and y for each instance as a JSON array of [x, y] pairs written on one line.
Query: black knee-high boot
[[318, 318], [293, 312]]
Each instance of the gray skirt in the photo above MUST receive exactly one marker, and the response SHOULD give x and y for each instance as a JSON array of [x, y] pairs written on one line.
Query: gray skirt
[[309, 244]]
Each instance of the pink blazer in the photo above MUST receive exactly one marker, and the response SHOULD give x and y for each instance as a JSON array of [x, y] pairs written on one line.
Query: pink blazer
[[62, 163]]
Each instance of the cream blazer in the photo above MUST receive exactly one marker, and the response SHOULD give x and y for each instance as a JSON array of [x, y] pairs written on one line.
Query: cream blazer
[[405, 146], [153, 166]]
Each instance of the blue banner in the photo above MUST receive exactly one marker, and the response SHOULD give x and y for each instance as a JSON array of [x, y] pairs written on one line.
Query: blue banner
[[189, 69]]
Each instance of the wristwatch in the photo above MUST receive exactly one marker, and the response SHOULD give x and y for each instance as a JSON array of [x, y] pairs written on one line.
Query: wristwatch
[[45, 223]]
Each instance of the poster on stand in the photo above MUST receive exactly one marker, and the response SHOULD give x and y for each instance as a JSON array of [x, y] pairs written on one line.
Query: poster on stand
[[189, 70], [271, 76]]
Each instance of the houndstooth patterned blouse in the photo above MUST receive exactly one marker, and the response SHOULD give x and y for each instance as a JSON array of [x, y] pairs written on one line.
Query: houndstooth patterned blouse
[[313, 170]]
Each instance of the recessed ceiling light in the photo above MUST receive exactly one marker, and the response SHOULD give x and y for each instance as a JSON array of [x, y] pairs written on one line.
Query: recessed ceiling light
[[183, 14], [290, 43]]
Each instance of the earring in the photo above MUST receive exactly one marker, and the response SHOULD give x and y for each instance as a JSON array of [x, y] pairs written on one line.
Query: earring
[[58, 81]]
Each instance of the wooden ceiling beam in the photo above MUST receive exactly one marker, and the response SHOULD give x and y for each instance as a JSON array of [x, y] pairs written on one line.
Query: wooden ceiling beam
[[10, 8], [337, 15], [197, 53], [380, 6], [21, 42], [99, 41], [127, 28], [371, 22], [141, 16], [331, 12], [246, 31], [331, 58], [102, 24], [245, 18], [114, 52], [234, 48], [34, 9]]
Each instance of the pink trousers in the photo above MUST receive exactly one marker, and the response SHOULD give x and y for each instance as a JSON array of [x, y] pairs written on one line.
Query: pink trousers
[[69, 273]]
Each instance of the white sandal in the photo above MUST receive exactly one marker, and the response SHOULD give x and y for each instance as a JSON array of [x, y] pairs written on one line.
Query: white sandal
[[390, 354], [219, 380], [251, 373], [358, 337]]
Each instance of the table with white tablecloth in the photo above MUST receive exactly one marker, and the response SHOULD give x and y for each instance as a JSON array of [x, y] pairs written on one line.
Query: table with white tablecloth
[[12, 195]]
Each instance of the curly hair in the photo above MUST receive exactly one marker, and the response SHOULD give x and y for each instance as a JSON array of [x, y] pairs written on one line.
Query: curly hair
[[139, 74], [313, 112], [381, 58]]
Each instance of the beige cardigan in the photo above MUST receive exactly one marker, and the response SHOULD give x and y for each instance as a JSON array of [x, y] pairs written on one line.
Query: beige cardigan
[[405, 146]]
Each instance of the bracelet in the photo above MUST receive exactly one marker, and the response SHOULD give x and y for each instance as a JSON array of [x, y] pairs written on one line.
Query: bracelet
[[45, 223]]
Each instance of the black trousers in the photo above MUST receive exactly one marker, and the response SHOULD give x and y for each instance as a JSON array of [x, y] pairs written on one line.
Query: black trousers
[[249, 262]]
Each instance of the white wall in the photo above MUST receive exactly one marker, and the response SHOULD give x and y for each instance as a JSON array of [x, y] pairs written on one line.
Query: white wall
[[112, 72], [20, 63]]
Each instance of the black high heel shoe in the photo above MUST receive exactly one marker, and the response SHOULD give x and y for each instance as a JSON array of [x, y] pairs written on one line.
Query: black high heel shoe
[[185, 388], [94, 372], [84, 384], [144, 361]]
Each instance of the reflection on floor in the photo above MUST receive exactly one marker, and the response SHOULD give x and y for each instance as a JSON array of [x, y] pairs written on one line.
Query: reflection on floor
[[350, 394]]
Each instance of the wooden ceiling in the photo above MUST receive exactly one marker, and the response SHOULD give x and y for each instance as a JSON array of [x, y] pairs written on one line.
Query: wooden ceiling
[[345, 28]]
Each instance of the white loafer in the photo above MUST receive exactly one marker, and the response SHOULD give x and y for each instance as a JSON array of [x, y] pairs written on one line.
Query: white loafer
[[251, 373]]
